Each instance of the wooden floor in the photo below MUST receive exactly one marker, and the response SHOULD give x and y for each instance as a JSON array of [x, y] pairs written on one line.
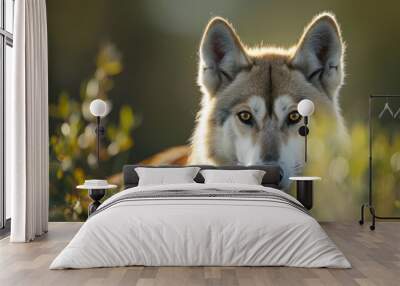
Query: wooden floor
[[375, 257]]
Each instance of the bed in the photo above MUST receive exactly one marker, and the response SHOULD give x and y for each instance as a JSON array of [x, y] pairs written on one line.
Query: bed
[[201, 224]]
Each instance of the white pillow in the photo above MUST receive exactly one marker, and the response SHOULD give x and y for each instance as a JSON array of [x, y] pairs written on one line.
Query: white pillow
[[248, 177], [163, 176]]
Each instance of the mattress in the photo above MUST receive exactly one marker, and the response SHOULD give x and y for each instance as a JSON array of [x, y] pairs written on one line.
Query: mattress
[[201, 225]]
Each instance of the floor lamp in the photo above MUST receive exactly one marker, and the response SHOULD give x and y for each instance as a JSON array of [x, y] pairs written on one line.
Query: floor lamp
[[306, 109], [98, 108]]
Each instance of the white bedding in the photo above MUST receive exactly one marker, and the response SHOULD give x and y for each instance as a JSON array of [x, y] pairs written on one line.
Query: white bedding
[[200, 231]]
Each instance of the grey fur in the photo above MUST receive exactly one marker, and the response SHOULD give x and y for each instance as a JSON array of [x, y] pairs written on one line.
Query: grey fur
[[267, 83]]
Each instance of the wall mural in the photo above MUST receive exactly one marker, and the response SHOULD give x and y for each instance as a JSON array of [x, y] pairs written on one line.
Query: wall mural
[[192, 88]]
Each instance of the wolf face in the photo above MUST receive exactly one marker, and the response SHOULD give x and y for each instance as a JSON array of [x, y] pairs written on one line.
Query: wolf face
[[248, 112]]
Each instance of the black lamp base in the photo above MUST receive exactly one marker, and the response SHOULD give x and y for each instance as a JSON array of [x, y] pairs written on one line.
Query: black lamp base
[[305, 193], [96, 195]]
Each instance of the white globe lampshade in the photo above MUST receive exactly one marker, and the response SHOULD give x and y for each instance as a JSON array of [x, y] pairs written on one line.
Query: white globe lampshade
[[305, 107], [98, 108]]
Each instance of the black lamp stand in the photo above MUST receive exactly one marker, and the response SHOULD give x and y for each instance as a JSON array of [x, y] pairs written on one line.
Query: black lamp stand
[[303, 131], [100, 131]]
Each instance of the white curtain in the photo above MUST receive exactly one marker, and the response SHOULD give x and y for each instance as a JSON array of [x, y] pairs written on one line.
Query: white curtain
[[27, 140]]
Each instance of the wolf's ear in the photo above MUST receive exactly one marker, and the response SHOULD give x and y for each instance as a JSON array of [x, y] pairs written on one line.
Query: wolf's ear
[[319, 54], [222, 55]]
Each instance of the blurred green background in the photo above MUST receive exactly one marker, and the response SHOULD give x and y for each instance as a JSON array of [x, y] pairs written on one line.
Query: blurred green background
[[142, 57]]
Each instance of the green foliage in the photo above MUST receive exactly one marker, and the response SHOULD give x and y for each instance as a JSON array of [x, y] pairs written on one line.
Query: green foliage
[[343, 166], [73, 139]]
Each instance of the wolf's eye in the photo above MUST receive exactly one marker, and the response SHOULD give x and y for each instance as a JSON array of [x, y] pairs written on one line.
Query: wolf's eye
[[294, 117], [245, 117]]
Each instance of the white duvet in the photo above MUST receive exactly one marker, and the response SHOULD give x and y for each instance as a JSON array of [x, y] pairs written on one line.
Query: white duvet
[[200, 231]]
